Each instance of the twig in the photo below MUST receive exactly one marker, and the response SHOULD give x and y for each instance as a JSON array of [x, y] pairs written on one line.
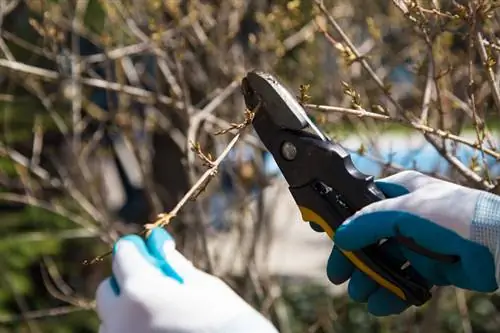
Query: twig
[[18, 198], [48, 75], [249, 114], [38, 236], [117, 53], [479, 129], [466, 172], [206, 112], [249, 138], [45, 313], [164, 219], [415, 125], [429, 85], [495, 91], [305, 33], [58, 288], [431, 315], [351, 46], [464, 310], [161, 55], [37, 142], [205, 158], [21, 303]]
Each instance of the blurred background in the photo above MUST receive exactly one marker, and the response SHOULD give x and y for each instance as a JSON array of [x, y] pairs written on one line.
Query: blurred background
[[109, 108]]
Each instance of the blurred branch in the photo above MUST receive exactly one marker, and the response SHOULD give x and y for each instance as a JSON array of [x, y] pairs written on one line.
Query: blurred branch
[[48, 75], [463, 310], [23, 161], [412, 124], [56, 286], [42, 314], [488, 63], [22, 304], [464, 170], [39, 236], [53, 208]]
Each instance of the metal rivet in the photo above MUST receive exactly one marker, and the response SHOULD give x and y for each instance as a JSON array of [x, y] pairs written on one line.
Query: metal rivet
[[288, 151]]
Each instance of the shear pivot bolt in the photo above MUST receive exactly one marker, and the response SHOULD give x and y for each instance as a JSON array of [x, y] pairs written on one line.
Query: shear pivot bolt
[[288, 151]]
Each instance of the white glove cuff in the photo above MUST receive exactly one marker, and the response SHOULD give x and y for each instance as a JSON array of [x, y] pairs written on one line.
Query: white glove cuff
[[486, 226]]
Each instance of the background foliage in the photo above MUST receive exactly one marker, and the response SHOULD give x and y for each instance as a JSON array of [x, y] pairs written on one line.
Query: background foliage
[[102, 103]]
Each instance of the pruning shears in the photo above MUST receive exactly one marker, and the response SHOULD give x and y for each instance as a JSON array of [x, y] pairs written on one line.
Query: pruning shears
[[326, 185]]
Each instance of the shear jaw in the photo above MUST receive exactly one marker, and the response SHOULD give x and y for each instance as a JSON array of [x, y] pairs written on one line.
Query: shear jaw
[[282, 107]]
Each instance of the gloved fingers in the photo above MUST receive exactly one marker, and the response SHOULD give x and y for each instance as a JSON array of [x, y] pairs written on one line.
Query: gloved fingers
[[339, 268], [429, 234], [409, 179], [162, 246], [361, 286], [384, 303], [479, 267], [367, 229], [431, 270], [131, 259], [455, 276], [475, 270], [105, 299], [391, 190]]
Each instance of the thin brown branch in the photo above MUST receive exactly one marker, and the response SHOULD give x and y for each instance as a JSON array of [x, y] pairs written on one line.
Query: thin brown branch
[[21, 302], [58, 288], [239, 126], [463, 310], [488, 66], [415, 125], [48, 75], [41, 314], [426, 99], [464, 170], [164, 219], [53, 208]]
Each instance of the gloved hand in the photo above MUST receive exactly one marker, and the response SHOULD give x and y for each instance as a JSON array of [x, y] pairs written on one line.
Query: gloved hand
[[441, 216], [156, 289]]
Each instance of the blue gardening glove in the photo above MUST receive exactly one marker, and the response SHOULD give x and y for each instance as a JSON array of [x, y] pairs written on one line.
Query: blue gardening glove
[[441, 216], [155, 289]]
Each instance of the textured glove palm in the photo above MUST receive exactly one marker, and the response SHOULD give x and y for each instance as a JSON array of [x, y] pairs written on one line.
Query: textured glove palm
[[441, 216]]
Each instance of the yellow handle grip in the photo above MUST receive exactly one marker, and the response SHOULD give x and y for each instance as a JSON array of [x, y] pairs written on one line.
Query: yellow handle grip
[[310, 216]]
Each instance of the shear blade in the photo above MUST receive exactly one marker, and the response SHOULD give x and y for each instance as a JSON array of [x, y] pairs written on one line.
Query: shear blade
[[283, 108]]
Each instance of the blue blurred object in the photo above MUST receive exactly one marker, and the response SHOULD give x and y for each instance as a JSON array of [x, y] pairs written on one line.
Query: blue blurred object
[[424, 159], [402, 73], [271, 169], [218, 207]]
